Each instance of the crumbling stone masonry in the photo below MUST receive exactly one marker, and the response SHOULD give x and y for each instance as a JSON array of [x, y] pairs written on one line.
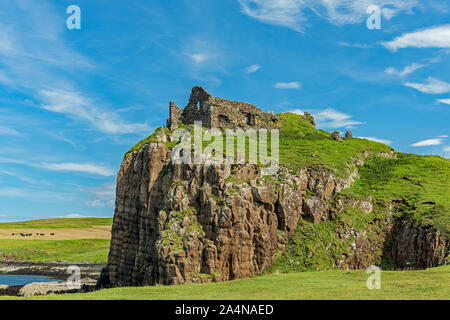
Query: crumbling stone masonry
[[219, 113]]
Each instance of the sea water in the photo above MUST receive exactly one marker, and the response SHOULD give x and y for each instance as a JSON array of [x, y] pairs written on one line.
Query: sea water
[[21, 280]]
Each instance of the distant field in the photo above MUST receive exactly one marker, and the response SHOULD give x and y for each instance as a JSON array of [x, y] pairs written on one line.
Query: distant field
[[86, 250], [58, 223], [72, 240], [395, 285]]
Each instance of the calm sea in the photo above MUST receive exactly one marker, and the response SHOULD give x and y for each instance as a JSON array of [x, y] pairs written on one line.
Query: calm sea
[[19, 280]]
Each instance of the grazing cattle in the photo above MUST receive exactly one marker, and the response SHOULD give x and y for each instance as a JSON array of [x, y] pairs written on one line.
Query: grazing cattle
[[12, 233], [52, 234], [42, 234]]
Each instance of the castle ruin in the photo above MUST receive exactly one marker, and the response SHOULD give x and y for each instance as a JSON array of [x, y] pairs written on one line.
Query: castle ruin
[[219, 113]]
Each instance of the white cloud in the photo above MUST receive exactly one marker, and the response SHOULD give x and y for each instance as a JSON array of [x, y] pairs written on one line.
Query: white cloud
[[433, 86], [103, 195], [199, 57], [288, 85], [354, 45], [73, 104], [406, 70], [445, 101], [253, 68], [447, 149], [37, 194], [332, 119], [100, 204], [75, 167], [79, 167], [297, 111], [443, 136], [106, 191], [75, 215], [8, 131], [294, 14], [436, 37], [384, 141], [429, 142]]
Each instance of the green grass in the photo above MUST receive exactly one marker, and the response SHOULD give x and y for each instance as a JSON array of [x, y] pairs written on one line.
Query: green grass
[[395, 285], [302, 145], [89, 250], [150, 139], [58, 223], [420, 185]]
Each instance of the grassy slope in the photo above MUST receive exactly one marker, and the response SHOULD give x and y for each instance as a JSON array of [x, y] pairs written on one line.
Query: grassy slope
[[89, 250], [58, 223], [302, 145], [423, 182], [424, 284]]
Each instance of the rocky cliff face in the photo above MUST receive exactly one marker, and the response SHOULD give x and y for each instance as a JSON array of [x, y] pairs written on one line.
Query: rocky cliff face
[[195, 223], [177, 224]]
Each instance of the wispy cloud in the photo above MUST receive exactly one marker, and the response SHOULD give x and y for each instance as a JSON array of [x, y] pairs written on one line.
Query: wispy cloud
[[199, 57], [33, 49], [294, 14], [436, 37], [103, 196], [75, 215], [100, 204], [428, 142], [354, 45], [331, 119], [64, 166], [405, 71], [432, 86], [444, 101], [204, 59], [73, 104], [26, 178], [384, 141], [79, 167], [5, 131], [35, 194], [288, 85], [253, 68]]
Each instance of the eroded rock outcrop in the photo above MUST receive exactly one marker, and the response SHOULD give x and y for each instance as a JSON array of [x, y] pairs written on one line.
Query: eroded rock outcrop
[[196, 223], [181, 223], [418, 247]]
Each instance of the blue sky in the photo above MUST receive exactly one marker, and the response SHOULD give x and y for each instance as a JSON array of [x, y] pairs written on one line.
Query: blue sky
[[72, 102]]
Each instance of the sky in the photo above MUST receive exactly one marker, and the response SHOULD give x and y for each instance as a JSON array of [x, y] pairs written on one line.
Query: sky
[[73, 101]]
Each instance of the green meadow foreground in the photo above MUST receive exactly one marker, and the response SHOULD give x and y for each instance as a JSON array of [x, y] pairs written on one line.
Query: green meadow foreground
[[424, 284]]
